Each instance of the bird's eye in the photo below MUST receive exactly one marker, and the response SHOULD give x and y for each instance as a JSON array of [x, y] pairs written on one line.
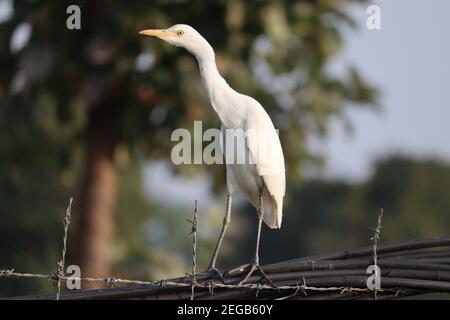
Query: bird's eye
[[180, 33]]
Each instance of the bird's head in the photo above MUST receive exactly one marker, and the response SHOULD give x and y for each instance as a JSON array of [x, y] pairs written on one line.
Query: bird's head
[[181, 35]]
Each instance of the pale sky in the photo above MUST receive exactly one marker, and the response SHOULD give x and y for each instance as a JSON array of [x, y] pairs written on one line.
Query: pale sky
[[408, 60]]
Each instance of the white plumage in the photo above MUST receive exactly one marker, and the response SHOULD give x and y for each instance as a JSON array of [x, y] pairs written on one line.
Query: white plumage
[[262, 178]]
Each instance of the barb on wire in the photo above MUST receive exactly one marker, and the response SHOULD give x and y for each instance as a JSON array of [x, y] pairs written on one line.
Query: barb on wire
[[6, 273], [111, 282], [294, 294]]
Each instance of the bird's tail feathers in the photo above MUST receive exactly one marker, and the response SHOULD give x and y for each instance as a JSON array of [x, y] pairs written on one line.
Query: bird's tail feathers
[[272, 210]]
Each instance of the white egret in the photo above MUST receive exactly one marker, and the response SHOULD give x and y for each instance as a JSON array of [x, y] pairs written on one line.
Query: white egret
[[264, 188]]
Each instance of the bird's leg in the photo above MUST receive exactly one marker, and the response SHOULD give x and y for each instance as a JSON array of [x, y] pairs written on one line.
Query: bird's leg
[[226, 221], [255, 265]]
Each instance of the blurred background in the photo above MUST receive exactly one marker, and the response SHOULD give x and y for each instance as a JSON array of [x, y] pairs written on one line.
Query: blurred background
[[363, 118]]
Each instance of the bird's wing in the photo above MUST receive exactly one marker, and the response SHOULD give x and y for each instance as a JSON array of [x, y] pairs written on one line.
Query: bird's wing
[[266, 153], [264, 146]]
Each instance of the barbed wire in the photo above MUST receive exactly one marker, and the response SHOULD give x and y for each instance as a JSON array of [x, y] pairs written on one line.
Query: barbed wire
[[111, 281], [342, 272], [194, 223], [61, 270]]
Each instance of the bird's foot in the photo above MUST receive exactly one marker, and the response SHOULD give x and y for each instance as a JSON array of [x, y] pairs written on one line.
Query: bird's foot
[[214, 271], [251, 269]]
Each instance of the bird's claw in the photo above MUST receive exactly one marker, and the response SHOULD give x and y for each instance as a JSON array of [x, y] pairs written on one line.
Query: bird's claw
[[214, 270], [252, 268]]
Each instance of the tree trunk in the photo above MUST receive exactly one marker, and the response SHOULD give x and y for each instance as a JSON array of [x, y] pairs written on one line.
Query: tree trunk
[[99, 188], [98, 195]]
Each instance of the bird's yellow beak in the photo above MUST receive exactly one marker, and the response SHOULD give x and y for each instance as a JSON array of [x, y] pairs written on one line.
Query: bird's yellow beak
[[160, 33]]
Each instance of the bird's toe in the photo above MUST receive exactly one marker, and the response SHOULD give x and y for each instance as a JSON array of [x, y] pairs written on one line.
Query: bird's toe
[[213, 271], [251, 270]]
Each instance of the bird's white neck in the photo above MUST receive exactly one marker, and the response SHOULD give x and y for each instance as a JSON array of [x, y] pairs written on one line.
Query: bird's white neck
[[213, 80], [208, 70]]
